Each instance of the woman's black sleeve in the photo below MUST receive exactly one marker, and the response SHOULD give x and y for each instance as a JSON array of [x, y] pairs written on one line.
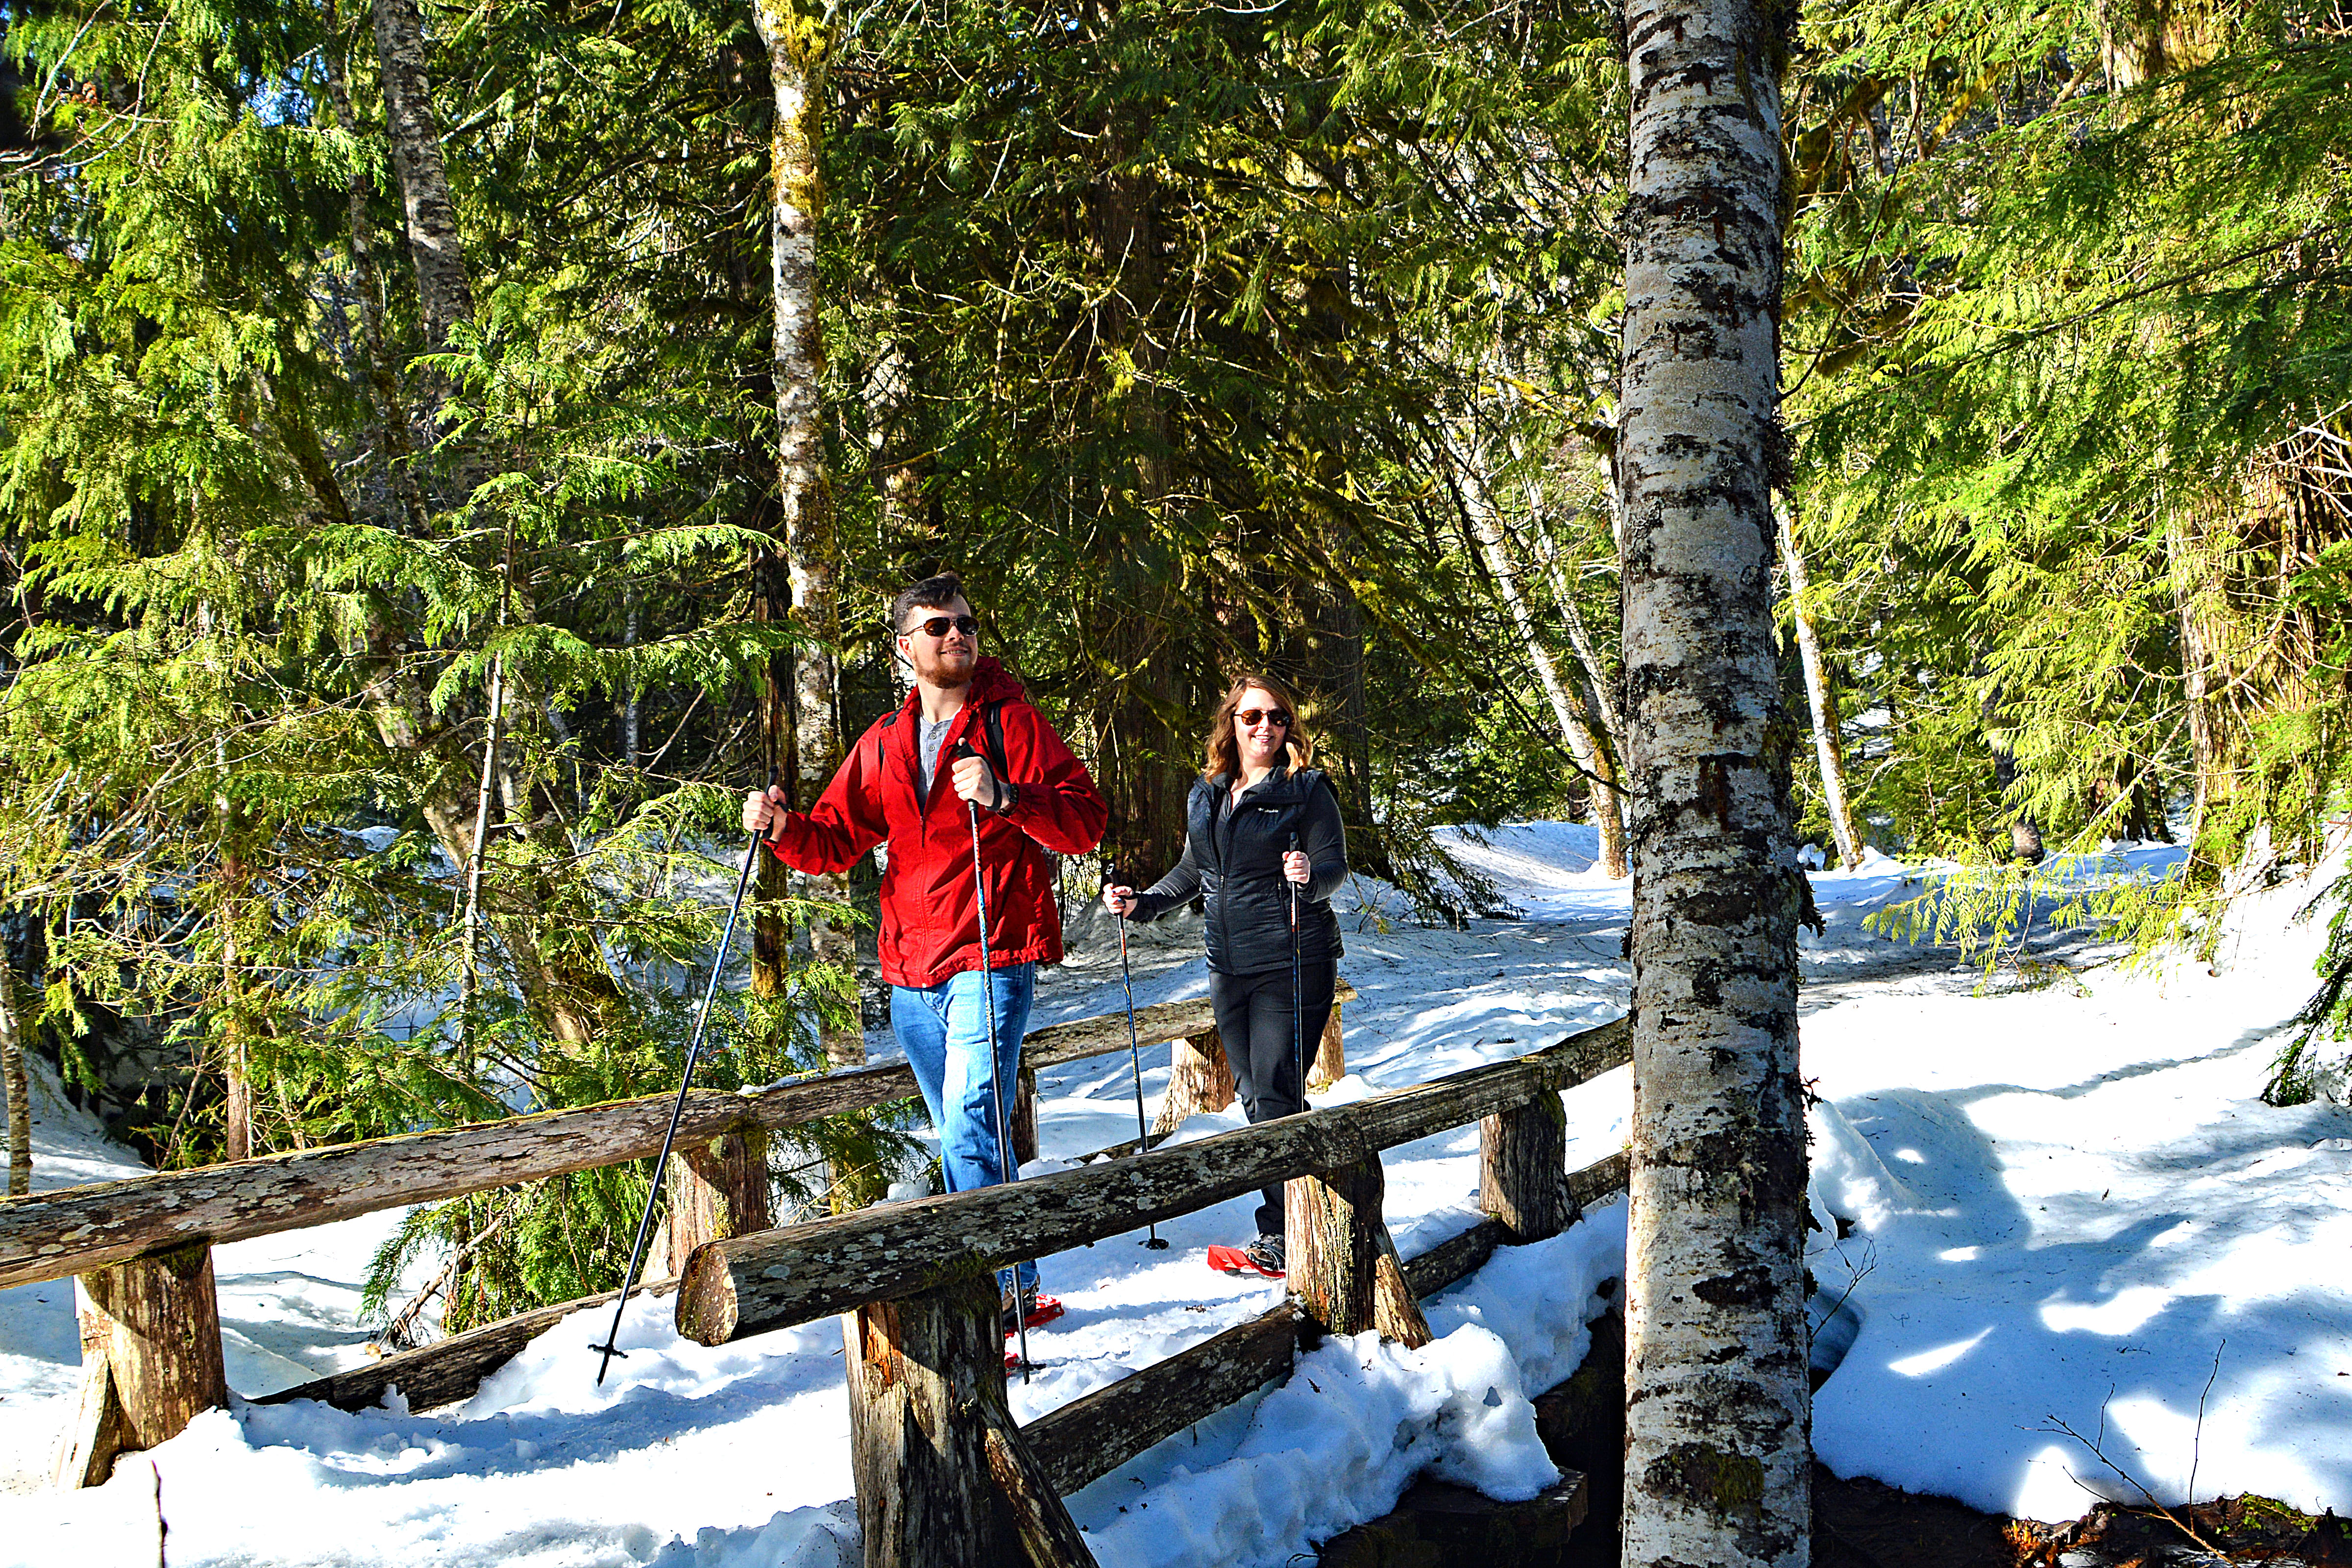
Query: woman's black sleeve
[[1173, 891], [1324, 840]]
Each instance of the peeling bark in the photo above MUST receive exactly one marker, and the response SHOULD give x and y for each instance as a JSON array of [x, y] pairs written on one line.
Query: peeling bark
[[1716, 1465]]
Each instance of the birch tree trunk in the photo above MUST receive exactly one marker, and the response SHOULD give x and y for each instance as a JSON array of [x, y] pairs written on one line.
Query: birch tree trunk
[[13, 1071], [1819, 698], [1717, 1407], [799, 39], [1574, 726], [444, 289]]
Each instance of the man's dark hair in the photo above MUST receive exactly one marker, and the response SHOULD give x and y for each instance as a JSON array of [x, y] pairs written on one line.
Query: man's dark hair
[[932, 594]]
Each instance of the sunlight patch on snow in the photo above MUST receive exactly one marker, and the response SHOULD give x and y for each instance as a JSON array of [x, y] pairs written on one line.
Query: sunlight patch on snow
[[1939, 1358]]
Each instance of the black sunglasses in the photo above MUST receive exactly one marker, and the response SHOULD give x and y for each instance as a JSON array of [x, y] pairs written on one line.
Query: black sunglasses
[[936, 625], [1276, 715]]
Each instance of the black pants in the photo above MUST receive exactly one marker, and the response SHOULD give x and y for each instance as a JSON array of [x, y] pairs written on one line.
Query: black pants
[[1254, 1025]]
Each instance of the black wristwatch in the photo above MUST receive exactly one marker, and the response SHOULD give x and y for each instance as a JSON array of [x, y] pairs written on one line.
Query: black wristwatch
[[1008, 795]]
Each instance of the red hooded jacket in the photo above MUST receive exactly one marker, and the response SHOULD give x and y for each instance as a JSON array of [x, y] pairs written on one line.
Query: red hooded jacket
[[930, 924]]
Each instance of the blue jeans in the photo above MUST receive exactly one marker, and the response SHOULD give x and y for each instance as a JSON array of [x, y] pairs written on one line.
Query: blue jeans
[[945, 1036]]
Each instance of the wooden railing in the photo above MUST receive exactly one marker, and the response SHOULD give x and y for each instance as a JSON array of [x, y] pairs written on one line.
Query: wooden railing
[[943, 1473], [142, 1247]]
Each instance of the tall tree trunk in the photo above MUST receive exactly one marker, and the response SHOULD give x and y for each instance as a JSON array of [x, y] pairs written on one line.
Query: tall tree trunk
[[2195, 591], [444, 289], [1717, 1404], [900, 461], [14, 1036], [382, 377], [1140, 741], [1568, 710], [237, 1118], [1819, 698], [799, 39]]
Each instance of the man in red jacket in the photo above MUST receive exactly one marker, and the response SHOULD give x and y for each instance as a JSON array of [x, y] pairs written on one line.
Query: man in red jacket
[[965, 733]]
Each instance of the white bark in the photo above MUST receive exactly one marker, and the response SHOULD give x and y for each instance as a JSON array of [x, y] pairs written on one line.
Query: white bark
[[1820, 699], [13, 1071], [1717, 1461], [1567, 711], [444, 289]]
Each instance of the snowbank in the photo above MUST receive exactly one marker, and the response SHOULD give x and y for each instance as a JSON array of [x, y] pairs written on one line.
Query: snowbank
[[2036, 1206]]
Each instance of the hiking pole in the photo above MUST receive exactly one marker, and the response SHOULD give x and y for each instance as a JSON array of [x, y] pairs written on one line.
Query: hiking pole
[[1298, 1024], [1135, 1061], [995, 1068], [612, 1346]]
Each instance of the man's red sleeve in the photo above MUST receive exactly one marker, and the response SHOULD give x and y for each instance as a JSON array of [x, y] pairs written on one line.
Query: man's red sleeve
[[846, 822], [1059, 807]]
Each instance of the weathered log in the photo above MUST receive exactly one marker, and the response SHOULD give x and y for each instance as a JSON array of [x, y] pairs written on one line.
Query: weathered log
[[51, 1236], [1457, 1257], [801, 1272], [1142, 1408], [1024, 1116], [151, 1357], [1091, 1437], [47, 1235], [926, 1392], [1344, 1268], [1199, 1079], [447, 1369], [718, 1188], [1522, 1173], [1049, 1536], [1602, 1178], [1331, 1056]]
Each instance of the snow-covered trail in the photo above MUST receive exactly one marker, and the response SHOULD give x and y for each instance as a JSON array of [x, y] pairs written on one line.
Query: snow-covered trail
[[2042, 1195]]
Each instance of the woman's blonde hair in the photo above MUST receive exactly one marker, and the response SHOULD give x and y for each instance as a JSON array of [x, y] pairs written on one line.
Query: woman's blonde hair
[[1224, 756]]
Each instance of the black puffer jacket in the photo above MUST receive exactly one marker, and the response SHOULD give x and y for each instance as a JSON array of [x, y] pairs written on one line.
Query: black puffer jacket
[[1233, 863]]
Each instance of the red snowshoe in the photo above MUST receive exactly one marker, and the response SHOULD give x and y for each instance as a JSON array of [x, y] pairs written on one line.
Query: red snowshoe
[[1261, 1257]]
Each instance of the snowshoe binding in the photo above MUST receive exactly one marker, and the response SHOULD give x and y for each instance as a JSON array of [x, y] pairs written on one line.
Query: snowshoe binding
[[1261, 1257]]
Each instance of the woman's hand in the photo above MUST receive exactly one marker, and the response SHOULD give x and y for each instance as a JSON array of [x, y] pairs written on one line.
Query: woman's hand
[[1295, 867], [1118, 900], [763, 810]]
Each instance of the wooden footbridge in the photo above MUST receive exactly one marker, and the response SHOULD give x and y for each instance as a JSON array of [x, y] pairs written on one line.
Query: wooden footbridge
[[944, 1474]]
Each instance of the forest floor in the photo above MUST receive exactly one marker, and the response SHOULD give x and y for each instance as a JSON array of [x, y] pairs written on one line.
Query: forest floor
[[2071, 1255]]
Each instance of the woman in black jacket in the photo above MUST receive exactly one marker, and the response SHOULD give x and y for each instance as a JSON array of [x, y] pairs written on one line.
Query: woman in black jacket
[[1262, 829]]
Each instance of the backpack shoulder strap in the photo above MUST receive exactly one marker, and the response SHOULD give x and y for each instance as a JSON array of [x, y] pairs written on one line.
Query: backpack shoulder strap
[[992, 719]]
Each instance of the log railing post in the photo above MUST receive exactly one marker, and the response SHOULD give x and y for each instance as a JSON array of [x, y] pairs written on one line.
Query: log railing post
[[718, 1188], [150, 1359], [943, 1477], [1024, 1116], [1330, 1059], [1523, 1168], [1199, 1079], [1343, 1267]]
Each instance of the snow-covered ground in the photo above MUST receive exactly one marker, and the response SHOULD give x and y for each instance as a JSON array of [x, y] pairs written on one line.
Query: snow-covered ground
[[2062, 1204]]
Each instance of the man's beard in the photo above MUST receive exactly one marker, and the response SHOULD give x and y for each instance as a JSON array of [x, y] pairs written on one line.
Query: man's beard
[[931, 670]]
